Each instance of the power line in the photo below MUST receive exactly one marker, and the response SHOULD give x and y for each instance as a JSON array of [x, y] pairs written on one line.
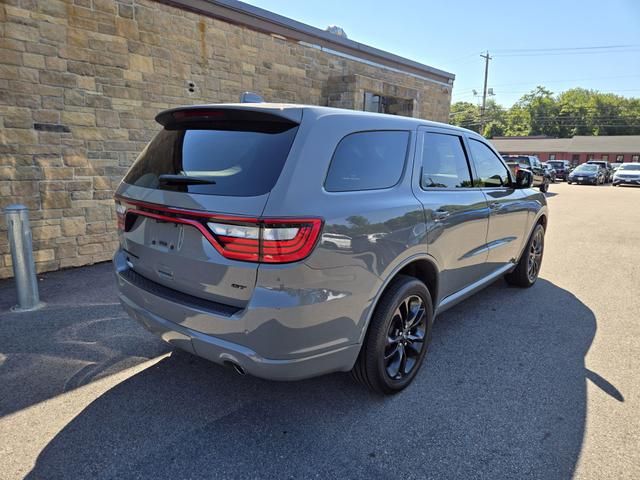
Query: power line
[[555, 49], [609, 52]]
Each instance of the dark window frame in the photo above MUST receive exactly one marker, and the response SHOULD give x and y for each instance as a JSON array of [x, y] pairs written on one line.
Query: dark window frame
[[402, 172], [635, 157]]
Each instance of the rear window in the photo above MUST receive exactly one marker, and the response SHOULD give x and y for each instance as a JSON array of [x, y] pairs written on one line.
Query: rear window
[[368, 161], [239, 161], [524, 161]]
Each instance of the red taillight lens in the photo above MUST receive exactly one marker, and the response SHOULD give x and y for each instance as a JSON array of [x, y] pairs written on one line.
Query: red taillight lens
[[268, 240], [121, 213]]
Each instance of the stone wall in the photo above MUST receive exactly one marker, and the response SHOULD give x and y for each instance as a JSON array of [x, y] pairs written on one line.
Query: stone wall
[[81, 82]]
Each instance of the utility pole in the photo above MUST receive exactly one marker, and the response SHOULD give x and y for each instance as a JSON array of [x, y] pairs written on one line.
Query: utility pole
[[484, 91]]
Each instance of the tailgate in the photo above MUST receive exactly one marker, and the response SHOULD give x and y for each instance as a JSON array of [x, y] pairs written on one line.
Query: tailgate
[[207, 165]]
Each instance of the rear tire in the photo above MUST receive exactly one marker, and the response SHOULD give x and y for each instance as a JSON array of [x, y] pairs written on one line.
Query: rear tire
[[398, 337], [528, 268]]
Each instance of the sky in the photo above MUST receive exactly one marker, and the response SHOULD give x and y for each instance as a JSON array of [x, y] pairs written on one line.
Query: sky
[[539, 42]]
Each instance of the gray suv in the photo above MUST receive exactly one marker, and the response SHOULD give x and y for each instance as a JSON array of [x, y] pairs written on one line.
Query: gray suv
[[291, 241]]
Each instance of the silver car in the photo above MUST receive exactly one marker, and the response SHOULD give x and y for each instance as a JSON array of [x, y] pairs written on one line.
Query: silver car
[[627, 174], [291, 241]]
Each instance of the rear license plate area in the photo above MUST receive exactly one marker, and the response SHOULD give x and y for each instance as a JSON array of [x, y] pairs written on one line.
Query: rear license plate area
[[163, 236]]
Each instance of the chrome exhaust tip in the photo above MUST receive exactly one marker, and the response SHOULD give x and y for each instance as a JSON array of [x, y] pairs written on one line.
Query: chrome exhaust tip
[[235, 367]]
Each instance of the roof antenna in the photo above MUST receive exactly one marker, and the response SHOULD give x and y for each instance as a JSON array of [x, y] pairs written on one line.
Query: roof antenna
[[251, 97]]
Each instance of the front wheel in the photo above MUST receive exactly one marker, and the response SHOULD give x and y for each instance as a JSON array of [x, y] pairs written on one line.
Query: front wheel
[[545, 186], [398, 337], [528, 268]]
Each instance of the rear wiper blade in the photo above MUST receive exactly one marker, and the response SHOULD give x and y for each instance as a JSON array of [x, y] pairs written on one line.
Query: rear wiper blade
[[185, 180]]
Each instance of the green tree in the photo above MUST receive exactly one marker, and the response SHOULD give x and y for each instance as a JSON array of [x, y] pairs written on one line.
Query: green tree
[[466, 115], [577, 111]]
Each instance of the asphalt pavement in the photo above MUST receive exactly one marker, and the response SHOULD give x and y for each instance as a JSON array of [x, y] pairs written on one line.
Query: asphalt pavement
[[539, 383]]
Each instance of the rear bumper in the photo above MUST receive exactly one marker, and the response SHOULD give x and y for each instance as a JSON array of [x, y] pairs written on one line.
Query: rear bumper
[[157, 314]]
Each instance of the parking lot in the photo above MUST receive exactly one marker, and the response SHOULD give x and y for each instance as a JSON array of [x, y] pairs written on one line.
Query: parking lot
[[537, 383]]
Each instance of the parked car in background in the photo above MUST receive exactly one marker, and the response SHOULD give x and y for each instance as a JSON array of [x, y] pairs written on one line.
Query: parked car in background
[[627, 174], [606, 167], [551, 172], [587, 173], [562, 168], [238, 227], [615, 166], [529, 162]]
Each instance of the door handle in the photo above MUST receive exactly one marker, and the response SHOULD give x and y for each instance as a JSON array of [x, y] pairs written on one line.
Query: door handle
[[440, 214], [494, 205]]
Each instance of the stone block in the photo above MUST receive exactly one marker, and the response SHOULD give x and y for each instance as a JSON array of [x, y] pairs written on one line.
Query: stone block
[[55, 200], [73, 226]]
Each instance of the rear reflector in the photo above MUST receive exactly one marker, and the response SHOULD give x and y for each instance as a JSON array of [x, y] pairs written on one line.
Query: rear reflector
[[267, 240]]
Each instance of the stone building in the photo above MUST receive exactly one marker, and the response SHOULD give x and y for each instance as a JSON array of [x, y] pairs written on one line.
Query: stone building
[[81, 82]]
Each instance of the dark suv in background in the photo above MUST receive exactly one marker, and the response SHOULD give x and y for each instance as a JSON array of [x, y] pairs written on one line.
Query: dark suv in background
[[562, 168], [541, 177], [290, 241]]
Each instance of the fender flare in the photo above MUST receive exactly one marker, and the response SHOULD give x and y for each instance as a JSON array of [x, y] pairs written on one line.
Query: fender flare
[[385, 284], [539, 214]]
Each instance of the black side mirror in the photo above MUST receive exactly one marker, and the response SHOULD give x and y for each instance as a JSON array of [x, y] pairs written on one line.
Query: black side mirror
[[524, 179]]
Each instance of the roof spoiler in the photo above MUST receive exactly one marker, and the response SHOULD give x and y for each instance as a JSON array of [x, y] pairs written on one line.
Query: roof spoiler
[[224, 113]]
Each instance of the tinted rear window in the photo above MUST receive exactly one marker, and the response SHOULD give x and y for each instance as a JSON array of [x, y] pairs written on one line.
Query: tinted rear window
[[521, 160], [368, 161], [242, 161]]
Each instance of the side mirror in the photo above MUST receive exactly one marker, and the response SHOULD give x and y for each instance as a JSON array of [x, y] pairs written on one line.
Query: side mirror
[[524, 179]]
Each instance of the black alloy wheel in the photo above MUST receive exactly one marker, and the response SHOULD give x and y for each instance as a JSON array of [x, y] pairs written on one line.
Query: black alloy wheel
[[535, 255], [405, 338], [398, 336], [528, 268]]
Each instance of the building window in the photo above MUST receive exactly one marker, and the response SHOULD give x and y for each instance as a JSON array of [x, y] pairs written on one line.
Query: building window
[[385, 104], [589, 156], [619, 158], [635, 158], [605, 158], [552, 156], [575, 159]]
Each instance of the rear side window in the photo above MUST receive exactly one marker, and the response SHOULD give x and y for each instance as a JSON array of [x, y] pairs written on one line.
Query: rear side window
[[490, 170], [368, 161], [444, 163], [245, 160]]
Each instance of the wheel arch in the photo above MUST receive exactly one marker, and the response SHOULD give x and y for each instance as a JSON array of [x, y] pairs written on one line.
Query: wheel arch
[[423, 267]]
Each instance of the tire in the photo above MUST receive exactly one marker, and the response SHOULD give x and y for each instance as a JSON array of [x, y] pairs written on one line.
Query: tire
[[544, 188], [379, 356], [521, 277]]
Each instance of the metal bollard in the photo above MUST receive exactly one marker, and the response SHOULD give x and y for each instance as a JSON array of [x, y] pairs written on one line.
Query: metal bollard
[[21, 248]]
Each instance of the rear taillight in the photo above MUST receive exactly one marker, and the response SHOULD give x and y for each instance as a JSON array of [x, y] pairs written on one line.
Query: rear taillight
[[267, 240]]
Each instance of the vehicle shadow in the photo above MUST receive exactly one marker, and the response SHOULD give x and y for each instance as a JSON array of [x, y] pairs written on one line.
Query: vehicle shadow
[[502, 395], [47, 352]]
